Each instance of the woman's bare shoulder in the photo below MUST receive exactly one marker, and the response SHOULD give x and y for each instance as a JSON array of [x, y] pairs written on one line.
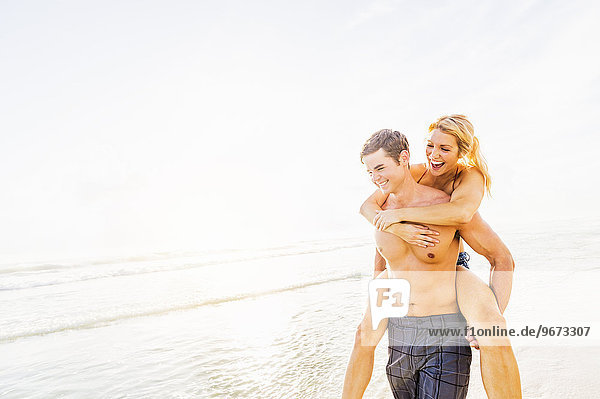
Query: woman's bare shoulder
[[469, 170], [470, 173], [417, 170]]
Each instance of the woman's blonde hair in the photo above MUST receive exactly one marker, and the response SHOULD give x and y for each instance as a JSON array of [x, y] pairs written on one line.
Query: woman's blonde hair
[[469, 151]]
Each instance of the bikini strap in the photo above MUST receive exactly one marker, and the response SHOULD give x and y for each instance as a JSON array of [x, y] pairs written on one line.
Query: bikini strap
[[422, 175], [454, 180]]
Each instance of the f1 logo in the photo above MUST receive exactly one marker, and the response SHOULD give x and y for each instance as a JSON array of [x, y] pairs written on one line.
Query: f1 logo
[[388, 298]]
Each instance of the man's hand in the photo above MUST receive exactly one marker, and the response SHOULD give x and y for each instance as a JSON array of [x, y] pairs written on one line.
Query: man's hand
[[415, 234], [472, 341], [385, 219]]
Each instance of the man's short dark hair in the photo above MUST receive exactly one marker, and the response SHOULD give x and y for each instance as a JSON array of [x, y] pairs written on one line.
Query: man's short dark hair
[[392, 142]]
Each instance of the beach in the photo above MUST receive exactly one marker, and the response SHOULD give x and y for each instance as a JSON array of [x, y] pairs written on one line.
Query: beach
[[273, 322], [181, 186]]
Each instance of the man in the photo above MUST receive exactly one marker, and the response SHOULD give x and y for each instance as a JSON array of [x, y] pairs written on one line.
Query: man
[[420, 365]]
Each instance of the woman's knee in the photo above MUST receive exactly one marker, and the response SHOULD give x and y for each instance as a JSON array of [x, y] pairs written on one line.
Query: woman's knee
[[494, 318], [503, 262], [475, 298], [486, 312]]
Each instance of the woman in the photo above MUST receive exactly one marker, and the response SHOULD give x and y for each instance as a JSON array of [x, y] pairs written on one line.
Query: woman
[[456, 166]]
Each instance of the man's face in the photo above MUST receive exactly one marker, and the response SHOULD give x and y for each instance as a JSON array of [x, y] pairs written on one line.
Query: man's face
[[384, 171]]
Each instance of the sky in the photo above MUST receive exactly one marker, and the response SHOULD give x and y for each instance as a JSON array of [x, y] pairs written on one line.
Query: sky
[[143, 126]]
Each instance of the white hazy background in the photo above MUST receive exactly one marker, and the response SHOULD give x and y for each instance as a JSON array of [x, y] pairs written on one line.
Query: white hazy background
[[128, 126]]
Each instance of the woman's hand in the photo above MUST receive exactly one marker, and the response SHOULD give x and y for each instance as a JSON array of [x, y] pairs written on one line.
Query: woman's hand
[[414, 234], [385, 219]]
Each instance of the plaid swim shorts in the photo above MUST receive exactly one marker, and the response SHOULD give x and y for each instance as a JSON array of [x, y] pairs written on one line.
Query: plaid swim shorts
[[424, 364]]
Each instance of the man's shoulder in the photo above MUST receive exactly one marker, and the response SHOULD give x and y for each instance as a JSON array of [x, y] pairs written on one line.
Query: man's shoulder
[[433, 196]]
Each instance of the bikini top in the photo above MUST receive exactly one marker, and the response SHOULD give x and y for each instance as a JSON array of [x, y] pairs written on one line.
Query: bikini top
[[453, 180]]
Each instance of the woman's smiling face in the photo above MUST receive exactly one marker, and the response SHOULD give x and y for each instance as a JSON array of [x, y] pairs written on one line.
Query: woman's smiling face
[[442, 152]]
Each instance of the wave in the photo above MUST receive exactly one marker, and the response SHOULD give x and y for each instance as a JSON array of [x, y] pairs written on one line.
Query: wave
[[106, 320], [42, 275], [16, 267]]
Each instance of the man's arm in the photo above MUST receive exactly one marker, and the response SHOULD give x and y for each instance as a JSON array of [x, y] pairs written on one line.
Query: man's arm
[[360, 365], [368, 208], [464, 202], [379, 264], [480, 236]]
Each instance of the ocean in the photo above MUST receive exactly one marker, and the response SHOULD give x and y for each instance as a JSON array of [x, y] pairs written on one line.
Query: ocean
[[275, 322]]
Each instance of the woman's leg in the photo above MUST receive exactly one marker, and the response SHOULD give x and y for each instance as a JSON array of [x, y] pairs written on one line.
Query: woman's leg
[[499, 369]]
